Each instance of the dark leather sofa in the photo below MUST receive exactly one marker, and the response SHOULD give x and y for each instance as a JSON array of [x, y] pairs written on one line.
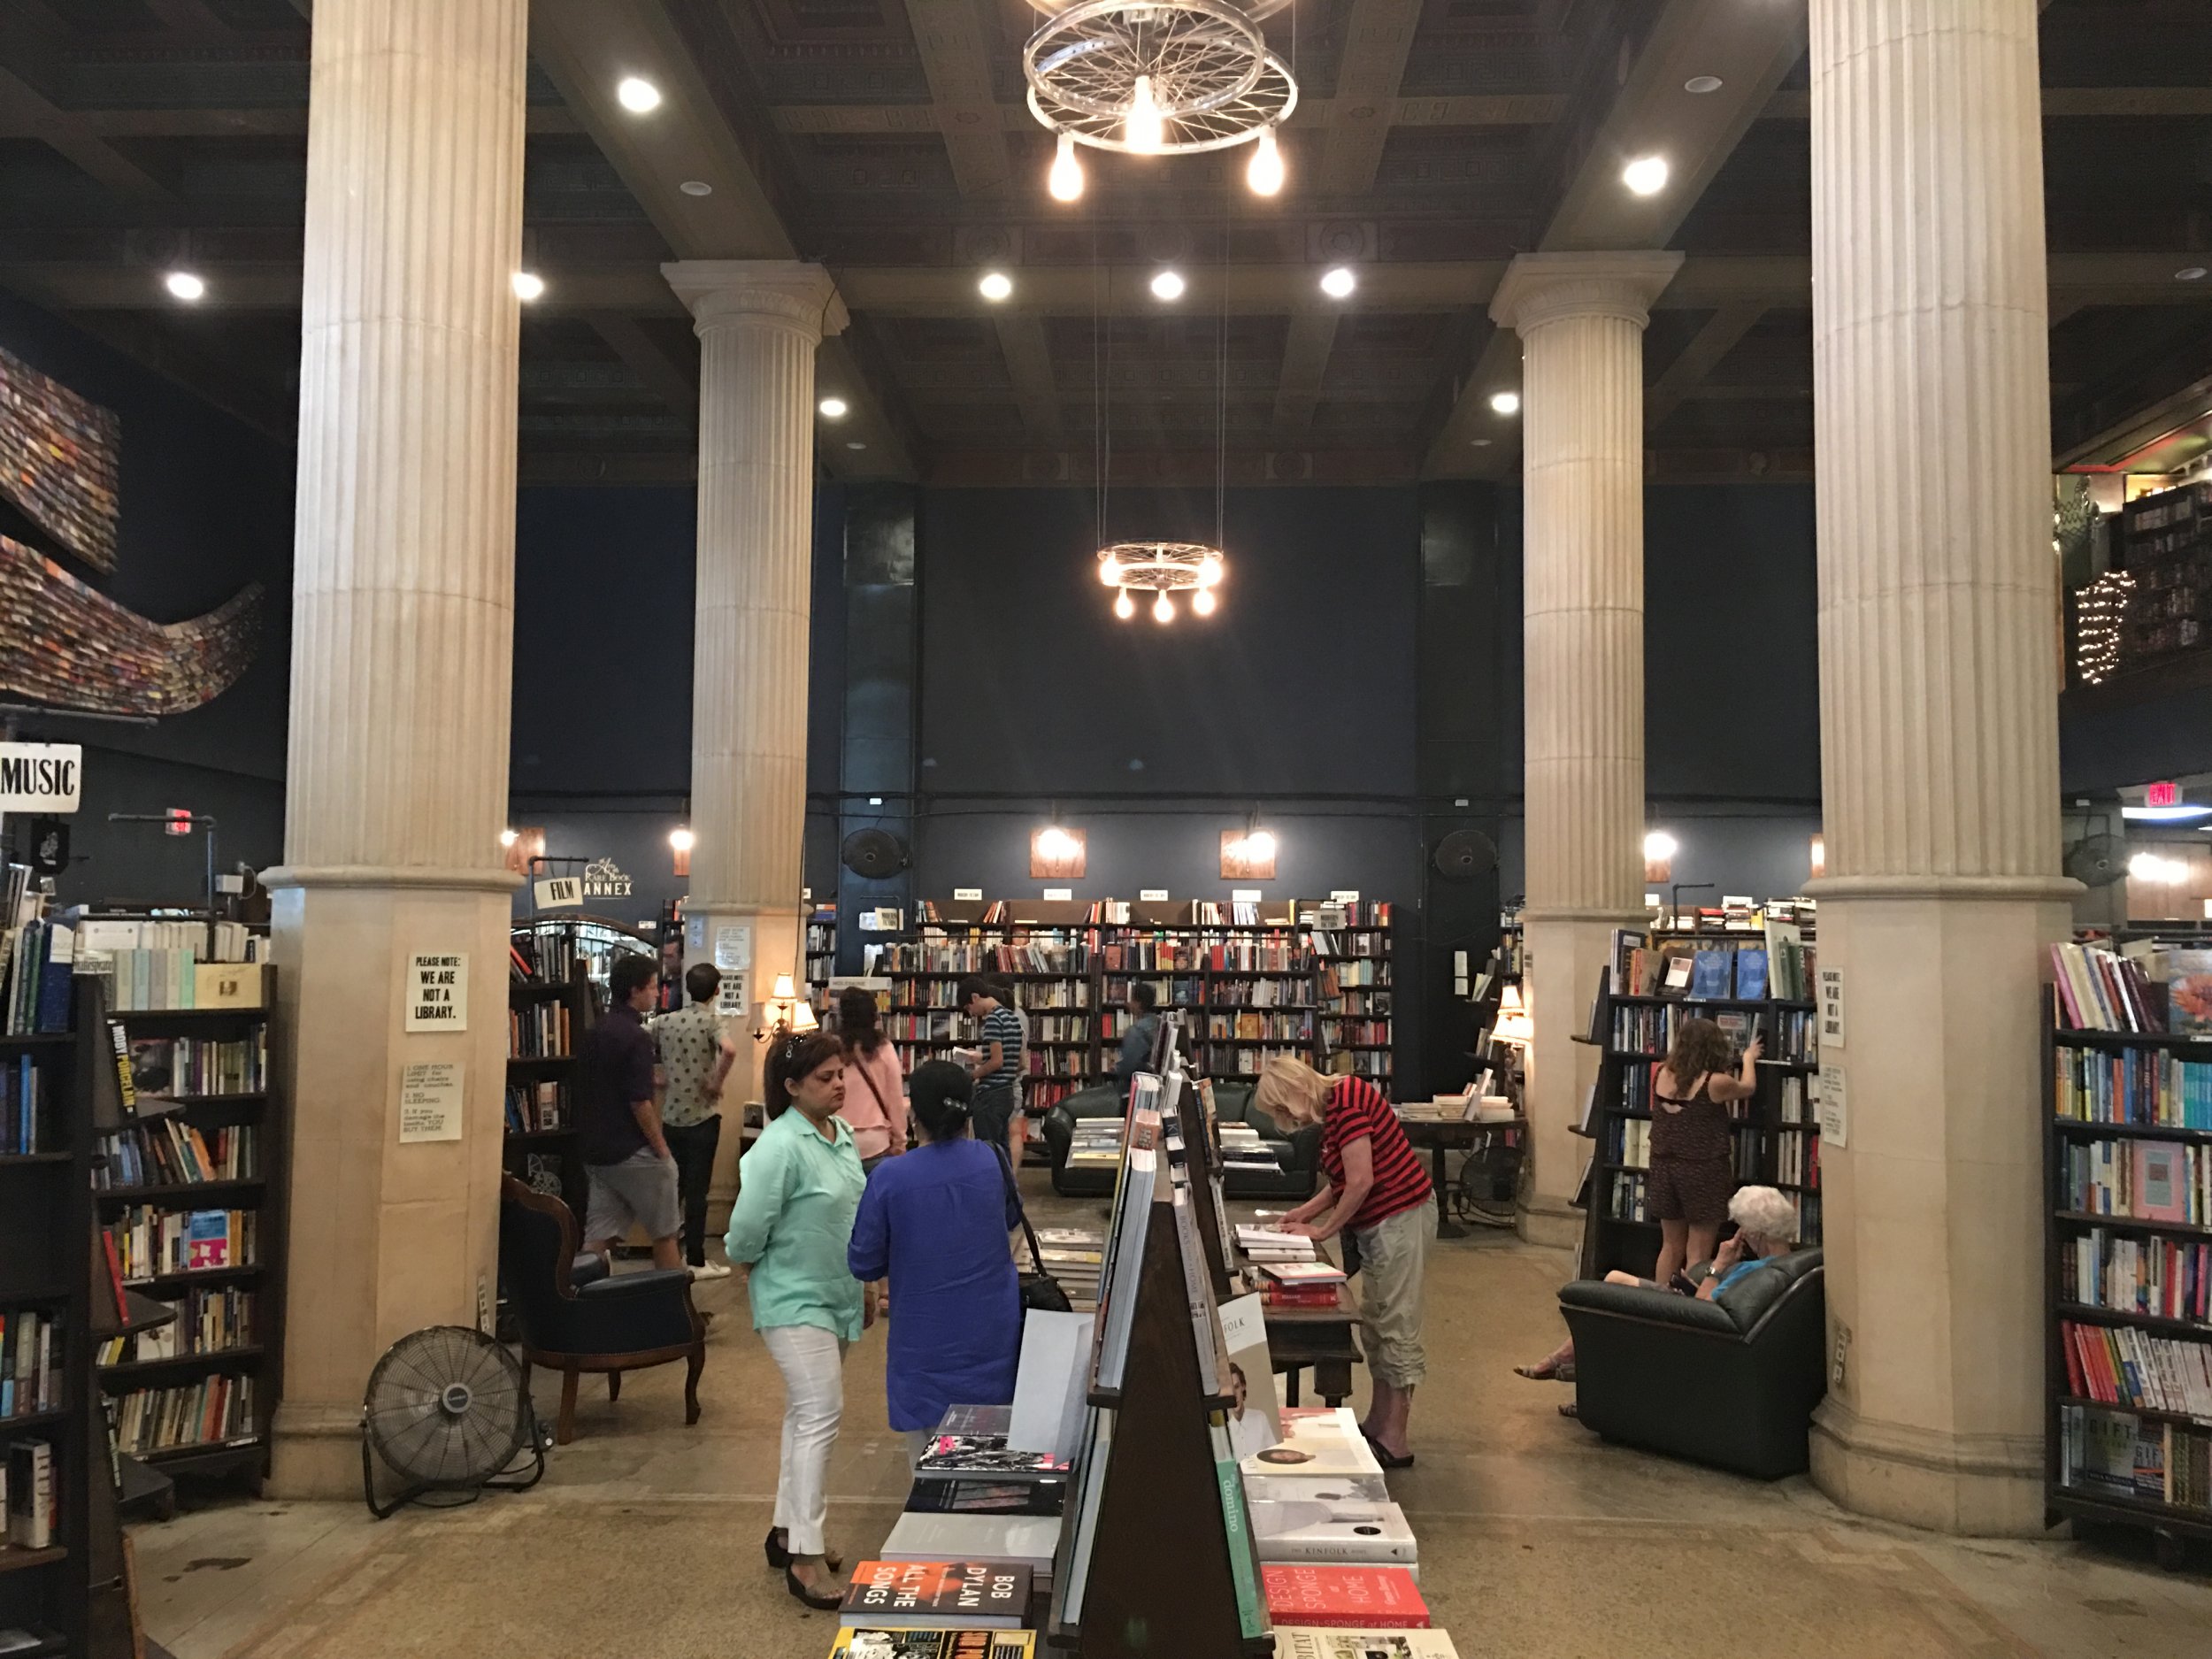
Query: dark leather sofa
[[1300, 1154], [1732, 1382]]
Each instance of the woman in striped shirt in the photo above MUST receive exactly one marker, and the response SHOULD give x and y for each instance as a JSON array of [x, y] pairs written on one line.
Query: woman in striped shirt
[[1376, 1189]]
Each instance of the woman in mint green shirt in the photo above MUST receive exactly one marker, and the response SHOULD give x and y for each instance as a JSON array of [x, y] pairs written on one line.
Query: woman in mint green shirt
[[798, 1190]]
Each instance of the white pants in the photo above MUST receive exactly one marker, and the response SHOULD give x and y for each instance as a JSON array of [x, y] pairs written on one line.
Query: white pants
[[812, 1363]]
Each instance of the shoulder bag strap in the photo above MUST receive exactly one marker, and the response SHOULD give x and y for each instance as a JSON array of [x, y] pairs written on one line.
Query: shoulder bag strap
[[1036, 1250], [882, 1105]]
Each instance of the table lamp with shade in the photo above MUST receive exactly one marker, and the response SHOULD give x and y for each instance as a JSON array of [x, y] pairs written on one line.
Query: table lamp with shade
[[1514, 1025]]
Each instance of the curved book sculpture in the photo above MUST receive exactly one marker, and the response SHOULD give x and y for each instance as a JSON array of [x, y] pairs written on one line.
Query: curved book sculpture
[[66, 643]]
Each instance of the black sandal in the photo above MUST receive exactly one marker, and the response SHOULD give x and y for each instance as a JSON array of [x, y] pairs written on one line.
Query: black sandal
[[1384, 1456], [776, 1546], [825, 1601]]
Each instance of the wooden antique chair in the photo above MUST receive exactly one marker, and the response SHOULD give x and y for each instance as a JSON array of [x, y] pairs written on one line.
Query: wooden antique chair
[[576, 1318]]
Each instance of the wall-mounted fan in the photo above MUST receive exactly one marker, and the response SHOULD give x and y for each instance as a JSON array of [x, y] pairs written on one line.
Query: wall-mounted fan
[[2098, 861], [1465, 854], [876, 853]]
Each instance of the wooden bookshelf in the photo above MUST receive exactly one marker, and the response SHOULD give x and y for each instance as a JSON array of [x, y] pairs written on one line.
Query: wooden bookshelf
[[2132, 1316], [540, 1148], [821, 952]]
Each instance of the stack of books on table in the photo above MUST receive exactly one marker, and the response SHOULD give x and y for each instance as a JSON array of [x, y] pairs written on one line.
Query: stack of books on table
[[1072, 1256], [1269, 1244], [1242, 1147], [1301, 1284], [936, 1609], [1095, 1144]]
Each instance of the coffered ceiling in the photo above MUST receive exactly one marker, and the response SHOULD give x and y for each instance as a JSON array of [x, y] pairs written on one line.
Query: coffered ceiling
[[887, 138]]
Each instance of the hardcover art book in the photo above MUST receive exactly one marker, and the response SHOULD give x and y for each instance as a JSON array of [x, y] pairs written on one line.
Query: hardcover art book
[[872, 1643], [1352, 1598]]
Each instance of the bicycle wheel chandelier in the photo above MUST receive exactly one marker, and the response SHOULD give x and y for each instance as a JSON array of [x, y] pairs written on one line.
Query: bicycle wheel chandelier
[[1159, 78], [1161, 569]]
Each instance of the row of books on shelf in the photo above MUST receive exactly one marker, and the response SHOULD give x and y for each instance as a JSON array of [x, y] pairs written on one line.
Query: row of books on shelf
[[1350, 949], [29, 1121], [1251, 1026], [2164, 1278], [179, 1068], [1042, 1093], [1343, 1032], [219, 941], [32, 1354], [1057, 1063], [1168, 953], [1797, 1160], [1797, 1104], [36, 968], [166, 1152], [1340, 977], [2120, 1365], [1371, 1064], [538, 1031], [1249, 1059], [1270, 992], [1659, 962], [1059, 1028], [30, 1496], [210, 1319], [2149, 1087], [2112, 1453], [538, 1106], [216, 1410], [1052, 952], [2143, 989], [2140, 1180], [152, 1244], [1648, 1029]]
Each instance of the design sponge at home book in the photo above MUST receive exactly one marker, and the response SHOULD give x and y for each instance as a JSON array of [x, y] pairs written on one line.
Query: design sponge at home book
[[1294, 1642], [1345, 1598]]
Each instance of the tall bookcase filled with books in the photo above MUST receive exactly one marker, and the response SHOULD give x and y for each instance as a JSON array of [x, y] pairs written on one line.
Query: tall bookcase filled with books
[[821, 951], [1351, 944], [49, 1041], [546, 1018], [2128, 1076], [1748, 983], [189, 1186]]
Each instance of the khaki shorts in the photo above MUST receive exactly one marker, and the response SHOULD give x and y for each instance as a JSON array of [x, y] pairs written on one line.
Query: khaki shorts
[[641, 1189], [1392, 1257]]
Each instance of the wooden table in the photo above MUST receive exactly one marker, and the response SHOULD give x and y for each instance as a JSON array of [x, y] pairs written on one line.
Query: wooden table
[[1439, 1136], [1320, 1337]]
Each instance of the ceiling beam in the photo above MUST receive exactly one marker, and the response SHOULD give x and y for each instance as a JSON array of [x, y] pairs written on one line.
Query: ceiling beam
[[1378, 37], [27, 114], [579, 44], [955, 55], [675, 384], [1021, 339], [1311, 336], [1720, 336]]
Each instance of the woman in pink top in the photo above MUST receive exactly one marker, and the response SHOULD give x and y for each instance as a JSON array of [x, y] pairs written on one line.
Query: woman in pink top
[[875, 1092]]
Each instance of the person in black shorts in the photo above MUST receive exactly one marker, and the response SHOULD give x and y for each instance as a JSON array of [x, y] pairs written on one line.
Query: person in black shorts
[[1692, 1149]]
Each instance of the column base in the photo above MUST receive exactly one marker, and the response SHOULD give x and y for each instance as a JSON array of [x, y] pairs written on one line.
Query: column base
[[1550, 1222], [314, 1451], [1975, 1485]]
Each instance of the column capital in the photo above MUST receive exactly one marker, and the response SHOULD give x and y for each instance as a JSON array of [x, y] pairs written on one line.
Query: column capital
[[790, 292], [1547, 287]]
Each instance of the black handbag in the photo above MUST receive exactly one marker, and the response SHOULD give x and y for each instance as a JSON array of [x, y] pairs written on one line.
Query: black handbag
[[1039, 1289]]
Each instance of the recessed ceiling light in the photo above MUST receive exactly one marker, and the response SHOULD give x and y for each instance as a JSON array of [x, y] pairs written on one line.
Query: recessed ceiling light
[[638, 95], [528, 285], [995, 286], [1339, 283], [832, 408], [695, 186], [1647, 175], [1506, 402], [184, 285], [1167, 285], [854, 443], [2190, 273], [1701, 84]]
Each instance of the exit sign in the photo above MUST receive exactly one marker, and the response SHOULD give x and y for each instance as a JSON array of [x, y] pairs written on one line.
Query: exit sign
[[2162, 794], [178, 821]]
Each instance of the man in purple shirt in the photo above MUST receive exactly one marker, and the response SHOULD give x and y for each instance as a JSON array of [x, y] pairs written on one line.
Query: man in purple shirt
[[625, 1152]]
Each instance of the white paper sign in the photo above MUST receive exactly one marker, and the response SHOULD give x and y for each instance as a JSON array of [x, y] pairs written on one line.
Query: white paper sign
[[438, 992], [1830, 1008], [695, 933], [729, 1000], [430, 1100], [734, 947], [41, 777], [1059, 892], [560, 892], [1344, 895], [1244, 895], [967, 896], [1153, 896], [1835, 1113]]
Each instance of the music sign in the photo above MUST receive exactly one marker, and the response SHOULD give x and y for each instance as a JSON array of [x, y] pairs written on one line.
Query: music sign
[[41, 777]]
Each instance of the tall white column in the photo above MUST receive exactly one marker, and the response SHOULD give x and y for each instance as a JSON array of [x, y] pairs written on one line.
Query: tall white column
[[759, 323], [1581, 318], [1938, 677], [402, 661]]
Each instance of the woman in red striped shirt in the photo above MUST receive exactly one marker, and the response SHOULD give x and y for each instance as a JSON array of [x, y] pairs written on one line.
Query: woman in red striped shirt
[[1376, 1189]]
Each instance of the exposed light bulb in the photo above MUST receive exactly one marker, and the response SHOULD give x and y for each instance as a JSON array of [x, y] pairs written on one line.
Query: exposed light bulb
[[995, 286], [508, 838], [1647, 175], [1055, 843], [1203, 602], [184, 285], [1659, 845], [1259, 846], [1167, 285], [529, 286], [1110, 570], [1506, 402], [638, 95], [1143, 130], [1164, 609], [832, 408], [1339, 282], [1065, 180], [1209, 570], [681, 840], [1265, 175], [1124, 607]]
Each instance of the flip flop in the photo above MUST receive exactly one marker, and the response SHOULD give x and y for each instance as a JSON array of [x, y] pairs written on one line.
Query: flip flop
[[1543, 1371]]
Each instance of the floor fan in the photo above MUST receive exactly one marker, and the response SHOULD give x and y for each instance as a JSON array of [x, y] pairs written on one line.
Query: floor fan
[[448, 1412]]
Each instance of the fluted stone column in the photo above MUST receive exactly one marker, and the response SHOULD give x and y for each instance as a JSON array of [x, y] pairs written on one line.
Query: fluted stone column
[[402, 661], [759, 322], [1581, 318], [1939, 750]]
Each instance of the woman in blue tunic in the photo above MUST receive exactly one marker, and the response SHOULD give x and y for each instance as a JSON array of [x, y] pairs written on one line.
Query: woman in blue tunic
[[936, 1223]]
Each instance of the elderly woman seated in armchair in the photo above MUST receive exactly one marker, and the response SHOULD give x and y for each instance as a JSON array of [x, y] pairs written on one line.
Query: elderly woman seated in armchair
[[1766, 1225]]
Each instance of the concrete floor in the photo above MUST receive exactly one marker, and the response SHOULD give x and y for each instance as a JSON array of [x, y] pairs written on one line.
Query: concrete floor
[[1536, 1539]]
